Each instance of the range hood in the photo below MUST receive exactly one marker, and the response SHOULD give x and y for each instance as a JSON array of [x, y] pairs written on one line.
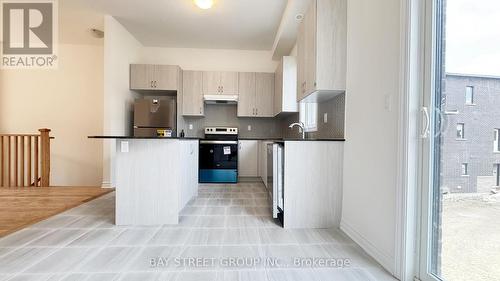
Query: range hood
[[221, 99]]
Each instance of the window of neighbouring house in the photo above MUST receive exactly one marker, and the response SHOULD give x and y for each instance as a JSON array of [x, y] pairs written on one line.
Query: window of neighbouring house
[[309, 116], [469, 95], [460, 131], [465, 169], [496, 174], [496, 141]]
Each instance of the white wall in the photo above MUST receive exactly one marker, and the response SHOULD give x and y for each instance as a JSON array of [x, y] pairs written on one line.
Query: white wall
[[120, 50], [68, 100], [211, 59], [370, 165]]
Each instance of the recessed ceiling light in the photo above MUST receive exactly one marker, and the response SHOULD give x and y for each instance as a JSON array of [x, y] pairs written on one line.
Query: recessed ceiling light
[[204, 4], [299, 17]]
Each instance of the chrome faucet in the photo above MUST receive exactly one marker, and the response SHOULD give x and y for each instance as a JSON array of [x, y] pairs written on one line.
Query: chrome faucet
[[301, 126]]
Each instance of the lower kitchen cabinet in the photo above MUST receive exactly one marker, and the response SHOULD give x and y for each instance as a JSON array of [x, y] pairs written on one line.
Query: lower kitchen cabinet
[[189, 179], [248, 151], [263, 161], [155, 178], [313, 184]]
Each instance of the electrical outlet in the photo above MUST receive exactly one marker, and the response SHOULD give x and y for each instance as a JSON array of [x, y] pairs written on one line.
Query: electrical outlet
[[249, 127], [124, 146], [190, 126], [325, 118], [388, 102]]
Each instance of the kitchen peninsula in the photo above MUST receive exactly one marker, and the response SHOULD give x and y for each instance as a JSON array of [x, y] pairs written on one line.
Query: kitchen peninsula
[[155, 178]]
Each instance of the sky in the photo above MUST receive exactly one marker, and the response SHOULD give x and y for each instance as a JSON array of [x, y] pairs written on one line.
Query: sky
[[473, 37]]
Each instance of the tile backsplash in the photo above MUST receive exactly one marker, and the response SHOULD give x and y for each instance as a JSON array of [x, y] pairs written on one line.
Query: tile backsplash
[[226, 116], [334, 128]]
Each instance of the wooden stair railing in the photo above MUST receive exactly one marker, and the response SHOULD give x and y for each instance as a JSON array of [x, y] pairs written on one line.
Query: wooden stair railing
[[25, 159]]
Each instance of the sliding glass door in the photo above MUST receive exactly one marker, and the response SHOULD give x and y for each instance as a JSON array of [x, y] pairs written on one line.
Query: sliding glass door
[[460, 159]]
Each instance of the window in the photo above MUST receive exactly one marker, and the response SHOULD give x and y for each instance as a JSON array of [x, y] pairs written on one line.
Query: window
[[496, 140], [465, 169], [496, 174], [309, 116], [460, 131], [469, 95]]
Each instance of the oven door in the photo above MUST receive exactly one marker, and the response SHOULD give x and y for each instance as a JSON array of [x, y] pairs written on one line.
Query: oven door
[[218, 161]]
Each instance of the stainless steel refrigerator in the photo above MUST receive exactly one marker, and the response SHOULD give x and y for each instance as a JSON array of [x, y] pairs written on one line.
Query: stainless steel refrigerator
[[154, 114]]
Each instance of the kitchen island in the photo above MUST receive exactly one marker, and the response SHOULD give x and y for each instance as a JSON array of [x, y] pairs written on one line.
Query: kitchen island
[[155, 178]]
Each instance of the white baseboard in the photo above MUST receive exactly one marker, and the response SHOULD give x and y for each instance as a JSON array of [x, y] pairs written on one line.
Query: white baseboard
[[383, 258], [249, 179], [106, 184]]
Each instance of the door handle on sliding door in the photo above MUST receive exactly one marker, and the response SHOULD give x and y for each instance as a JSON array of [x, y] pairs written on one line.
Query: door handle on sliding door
[[427, 123]]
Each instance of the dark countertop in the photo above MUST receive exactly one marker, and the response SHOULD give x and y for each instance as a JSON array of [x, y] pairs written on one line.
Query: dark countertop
[[290, 139], [260, 138], [139, 138], [196, 138]]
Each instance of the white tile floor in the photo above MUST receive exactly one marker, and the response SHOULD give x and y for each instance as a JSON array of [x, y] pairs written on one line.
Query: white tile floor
[[223, 223]]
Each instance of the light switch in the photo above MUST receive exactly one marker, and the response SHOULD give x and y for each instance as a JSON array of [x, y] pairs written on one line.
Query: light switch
[[249, 127], [325, 118], [124, 146], [190, 126]]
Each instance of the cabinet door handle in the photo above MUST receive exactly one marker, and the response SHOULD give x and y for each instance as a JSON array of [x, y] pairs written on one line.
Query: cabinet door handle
[[152, 84], [256, 111], [200, 110], [222, 89], [155, 83]]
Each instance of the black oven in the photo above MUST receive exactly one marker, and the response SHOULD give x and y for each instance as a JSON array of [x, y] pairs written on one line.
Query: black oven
[[218, 161]]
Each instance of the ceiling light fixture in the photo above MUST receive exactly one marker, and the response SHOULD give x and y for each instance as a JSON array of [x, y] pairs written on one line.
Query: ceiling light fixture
[[204, 4]]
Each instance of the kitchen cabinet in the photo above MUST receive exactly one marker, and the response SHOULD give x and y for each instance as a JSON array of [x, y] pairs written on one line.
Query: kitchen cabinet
[[155, 179], [264, 94], [248, 153], [322, 50], [192, 93], [155, 77], [220, 83], [189, 178], [285, 86], [263, 161], [246, 98], [256, 94], [316, 165]]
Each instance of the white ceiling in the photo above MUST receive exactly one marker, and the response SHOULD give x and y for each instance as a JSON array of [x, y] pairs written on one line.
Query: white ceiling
[[230, 24]]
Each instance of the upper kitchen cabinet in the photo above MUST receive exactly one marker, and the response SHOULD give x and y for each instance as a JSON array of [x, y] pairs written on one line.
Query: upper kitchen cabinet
[[285, 86], [256, 94], [246, 98], [155, 77], [264, 94], [192, 93], [220, 83], [321, 48]]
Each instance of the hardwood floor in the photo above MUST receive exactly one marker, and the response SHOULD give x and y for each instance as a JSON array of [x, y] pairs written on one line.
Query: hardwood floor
[[21, 207]]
